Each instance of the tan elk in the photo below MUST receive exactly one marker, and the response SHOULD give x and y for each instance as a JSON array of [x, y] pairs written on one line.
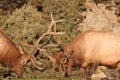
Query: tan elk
[[15, 57], [90, 50]]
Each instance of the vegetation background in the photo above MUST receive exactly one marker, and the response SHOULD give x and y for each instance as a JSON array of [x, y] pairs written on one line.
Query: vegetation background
[[77, 16]]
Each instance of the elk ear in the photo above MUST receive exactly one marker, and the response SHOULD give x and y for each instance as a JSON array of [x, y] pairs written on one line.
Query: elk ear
[[24, 62], [20, 49]]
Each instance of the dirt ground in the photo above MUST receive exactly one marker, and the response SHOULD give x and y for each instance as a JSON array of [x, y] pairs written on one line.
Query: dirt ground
[[48, 74]]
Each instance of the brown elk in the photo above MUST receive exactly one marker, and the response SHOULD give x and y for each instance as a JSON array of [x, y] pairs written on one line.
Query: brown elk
[[90, 50], [15, 57]]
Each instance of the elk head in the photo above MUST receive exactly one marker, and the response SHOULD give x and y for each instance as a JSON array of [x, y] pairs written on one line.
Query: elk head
[[65, 59]]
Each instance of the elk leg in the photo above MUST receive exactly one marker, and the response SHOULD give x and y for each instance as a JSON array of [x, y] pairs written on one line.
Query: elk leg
[[82, 73], [118, 68], [91, 69]]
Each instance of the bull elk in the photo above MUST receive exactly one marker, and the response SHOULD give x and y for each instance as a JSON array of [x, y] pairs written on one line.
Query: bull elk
[[90, 50], [15, 57]]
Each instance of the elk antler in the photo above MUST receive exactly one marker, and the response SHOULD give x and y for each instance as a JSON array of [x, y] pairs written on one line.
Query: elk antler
[[50, 33]]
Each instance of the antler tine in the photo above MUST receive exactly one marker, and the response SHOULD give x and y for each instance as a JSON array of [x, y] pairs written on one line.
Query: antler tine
[[49, 31], [53, 23], [25, 44], [23, 33], [48, 41], [51, 58]]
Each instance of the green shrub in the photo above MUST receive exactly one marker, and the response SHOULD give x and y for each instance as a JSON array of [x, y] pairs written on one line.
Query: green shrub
[[27, 18]]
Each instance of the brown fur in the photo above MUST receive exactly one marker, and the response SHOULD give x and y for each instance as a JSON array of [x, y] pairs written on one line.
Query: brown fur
[[91, 49], [11, 56], [58, 56]]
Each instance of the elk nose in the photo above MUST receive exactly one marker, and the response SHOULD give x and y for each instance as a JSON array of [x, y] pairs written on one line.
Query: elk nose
[[18, 76], [67, 75]]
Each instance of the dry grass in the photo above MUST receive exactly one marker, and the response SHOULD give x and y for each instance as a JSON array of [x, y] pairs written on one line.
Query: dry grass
[[48, 74]]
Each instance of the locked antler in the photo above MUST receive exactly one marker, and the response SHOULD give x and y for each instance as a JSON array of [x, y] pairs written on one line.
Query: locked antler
[[42, 49]]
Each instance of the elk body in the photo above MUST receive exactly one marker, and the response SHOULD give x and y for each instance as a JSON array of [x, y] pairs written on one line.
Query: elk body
[[90, 50]]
